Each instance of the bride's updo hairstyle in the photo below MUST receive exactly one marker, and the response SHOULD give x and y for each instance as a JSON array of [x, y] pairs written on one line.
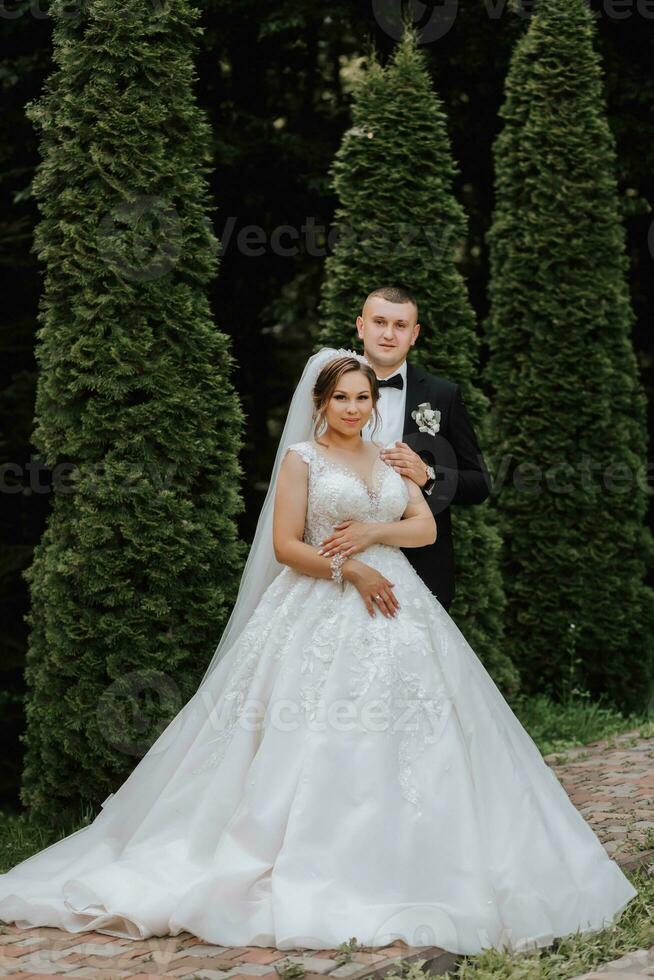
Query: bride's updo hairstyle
[[327, 382]]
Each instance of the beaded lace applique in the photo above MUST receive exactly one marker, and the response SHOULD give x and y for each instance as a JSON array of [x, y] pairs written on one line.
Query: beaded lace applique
[[379, 651]]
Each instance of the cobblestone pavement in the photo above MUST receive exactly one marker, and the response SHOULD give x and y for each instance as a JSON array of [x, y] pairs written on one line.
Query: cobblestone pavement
[[611, 782], [50, 952]]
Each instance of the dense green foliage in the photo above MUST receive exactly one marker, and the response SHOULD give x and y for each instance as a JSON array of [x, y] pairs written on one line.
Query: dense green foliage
[[569, 429], [136, 415]]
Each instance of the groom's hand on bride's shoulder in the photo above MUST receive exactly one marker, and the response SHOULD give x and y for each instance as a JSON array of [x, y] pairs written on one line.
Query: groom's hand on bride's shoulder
[[406, 462]]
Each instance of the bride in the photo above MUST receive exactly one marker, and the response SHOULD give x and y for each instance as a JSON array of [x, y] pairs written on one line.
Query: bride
[[347, 767]]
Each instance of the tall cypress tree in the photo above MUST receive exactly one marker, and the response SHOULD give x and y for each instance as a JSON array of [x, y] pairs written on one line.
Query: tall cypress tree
[[398, 222], [569, 411], [134, 578]]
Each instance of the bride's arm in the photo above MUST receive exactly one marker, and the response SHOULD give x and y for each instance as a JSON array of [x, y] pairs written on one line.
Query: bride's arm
[[289, 517], [417, 526]]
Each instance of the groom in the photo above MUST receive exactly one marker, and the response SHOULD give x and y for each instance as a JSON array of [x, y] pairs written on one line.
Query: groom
[[445, 462]]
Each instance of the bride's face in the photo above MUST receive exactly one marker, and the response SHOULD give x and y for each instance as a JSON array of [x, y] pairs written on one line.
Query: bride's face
[[350, 405]]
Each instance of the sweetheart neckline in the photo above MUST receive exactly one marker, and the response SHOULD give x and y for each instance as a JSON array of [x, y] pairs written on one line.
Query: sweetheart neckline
[[374, 494]]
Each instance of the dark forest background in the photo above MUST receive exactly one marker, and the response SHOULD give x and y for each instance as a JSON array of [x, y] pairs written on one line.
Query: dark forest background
[[274, 82]]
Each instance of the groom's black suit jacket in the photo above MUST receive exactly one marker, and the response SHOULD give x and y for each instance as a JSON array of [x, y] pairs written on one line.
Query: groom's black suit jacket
[[461, 473]]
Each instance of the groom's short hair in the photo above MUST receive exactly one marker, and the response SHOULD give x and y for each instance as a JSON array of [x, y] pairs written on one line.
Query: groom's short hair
[[394, 294]]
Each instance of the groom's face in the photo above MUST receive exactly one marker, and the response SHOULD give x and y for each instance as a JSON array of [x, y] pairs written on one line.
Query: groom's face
[[388, 330]]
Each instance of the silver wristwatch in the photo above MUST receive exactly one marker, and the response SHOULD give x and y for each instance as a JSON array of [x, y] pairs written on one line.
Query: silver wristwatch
[[431, 478]]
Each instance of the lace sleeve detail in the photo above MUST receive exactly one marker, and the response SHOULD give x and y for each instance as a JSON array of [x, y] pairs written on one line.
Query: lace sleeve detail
[[304, 450]]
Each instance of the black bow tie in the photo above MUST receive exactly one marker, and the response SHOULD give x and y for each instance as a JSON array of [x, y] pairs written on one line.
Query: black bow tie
[[397, 381]]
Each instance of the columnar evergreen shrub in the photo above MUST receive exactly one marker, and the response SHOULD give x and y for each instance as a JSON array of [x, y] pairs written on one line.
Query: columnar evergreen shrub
[[568, 416], [136, 415]]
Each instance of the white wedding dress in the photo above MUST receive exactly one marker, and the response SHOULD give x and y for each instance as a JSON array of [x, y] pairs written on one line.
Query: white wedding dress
[[338, 775]]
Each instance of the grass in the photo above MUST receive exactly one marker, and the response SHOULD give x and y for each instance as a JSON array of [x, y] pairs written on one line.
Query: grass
[[575, 954], [21, 837], [577, 720]]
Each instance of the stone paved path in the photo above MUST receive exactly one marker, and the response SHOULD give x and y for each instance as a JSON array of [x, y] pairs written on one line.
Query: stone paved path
[[51, 952], [611, 782]]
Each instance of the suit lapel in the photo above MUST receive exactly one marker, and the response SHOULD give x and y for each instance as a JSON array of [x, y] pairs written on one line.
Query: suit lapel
[[415, 393]]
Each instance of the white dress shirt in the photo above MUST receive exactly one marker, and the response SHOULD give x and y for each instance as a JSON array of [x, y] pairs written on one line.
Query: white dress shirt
[[391, 405]]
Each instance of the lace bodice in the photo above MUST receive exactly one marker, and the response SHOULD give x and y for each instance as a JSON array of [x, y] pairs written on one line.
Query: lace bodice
[[337, 493]]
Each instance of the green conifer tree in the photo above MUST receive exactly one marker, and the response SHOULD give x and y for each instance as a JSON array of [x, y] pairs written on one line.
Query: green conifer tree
[[398, 223], [136, 415], [569, 411]]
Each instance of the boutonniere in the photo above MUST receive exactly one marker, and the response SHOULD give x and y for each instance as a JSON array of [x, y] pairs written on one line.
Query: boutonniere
[[427, 418]]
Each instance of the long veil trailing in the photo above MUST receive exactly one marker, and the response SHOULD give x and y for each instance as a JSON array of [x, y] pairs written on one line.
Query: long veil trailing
[[261, 566]]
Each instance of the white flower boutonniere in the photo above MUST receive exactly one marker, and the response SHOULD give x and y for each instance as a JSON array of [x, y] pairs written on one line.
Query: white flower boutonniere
[[427, 418]]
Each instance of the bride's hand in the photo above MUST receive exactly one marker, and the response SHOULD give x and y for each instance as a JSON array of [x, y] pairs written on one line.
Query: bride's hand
[[374, 588], [349, 538]]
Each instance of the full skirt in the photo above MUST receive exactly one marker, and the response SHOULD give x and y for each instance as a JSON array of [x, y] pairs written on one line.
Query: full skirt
[[336, 775]]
